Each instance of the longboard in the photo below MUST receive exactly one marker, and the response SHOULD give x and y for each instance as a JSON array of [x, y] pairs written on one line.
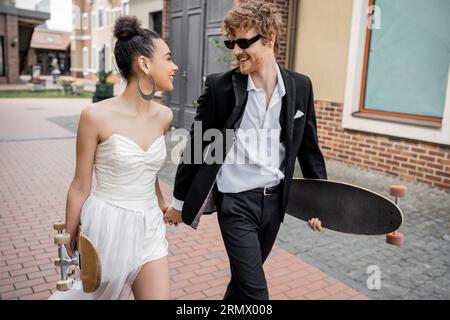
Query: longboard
[[85, 261], [343, 207]]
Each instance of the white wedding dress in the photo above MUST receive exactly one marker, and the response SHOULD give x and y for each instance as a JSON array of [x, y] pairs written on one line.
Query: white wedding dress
[[121, 216]]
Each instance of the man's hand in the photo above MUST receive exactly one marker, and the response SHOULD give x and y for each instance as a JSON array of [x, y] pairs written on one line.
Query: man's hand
[[172, 216], [315, 224]]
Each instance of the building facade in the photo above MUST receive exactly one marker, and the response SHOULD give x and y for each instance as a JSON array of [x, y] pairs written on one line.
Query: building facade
[[93, 23], [49, 47], [149, 12], [193, 30], [381, 77], [16, 29], [382, 89], [93, 26]]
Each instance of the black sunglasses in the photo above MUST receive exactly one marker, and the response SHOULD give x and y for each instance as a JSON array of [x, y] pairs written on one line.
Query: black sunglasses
[[242, 43]]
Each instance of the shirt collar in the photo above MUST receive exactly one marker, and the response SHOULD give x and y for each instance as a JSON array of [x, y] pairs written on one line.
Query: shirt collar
[[280, 83]]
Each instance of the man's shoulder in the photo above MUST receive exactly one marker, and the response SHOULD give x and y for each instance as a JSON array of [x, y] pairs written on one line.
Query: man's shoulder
[[299, 78], [302, 82]]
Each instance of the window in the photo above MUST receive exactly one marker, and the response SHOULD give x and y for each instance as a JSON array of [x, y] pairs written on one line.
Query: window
[[85, 60], [100, 18], [114, 15], [94, 20], [107, 58], [155, 21], [430, 124], [2, 57], [100, 62], [406, 63], [94, 59], [108, 17], [126, 7], [85, 21], [76, 15]]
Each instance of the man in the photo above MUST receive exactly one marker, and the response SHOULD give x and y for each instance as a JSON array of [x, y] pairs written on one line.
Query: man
[[258, 97]]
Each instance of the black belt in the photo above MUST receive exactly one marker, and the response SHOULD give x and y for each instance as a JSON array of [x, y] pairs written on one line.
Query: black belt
[[267, 191]]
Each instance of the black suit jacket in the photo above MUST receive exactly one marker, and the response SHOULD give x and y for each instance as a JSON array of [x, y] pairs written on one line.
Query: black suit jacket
[[221, 107]]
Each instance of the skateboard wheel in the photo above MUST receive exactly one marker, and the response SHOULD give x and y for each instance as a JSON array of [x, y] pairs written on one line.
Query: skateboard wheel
[[64, 285], [397, 190], [63, 238], [59, 226], [395, 239], [57, 262]]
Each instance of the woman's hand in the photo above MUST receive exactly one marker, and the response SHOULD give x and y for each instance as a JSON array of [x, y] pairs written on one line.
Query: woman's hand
[[164, 208], [173, 216], [71, 247]]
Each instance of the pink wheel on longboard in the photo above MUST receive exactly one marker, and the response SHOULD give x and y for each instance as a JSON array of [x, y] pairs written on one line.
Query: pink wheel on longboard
[[395, 238], [397, 190]]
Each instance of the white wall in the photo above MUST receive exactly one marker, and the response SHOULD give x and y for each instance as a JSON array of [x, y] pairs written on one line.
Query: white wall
[[142, 8]]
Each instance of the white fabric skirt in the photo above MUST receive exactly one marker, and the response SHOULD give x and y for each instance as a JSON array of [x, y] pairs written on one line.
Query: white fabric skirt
[[125, 239]]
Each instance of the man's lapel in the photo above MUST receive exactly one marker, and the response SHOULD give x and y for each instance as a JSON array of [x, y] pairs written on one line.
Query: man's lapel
[[240, 93], [289, 109]]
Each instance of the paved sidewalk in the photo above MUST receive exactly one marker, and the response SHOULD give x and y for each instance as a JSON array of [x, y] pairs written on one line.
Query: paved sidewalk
[[419, 269], [33, 197], [31, 119], [36, 167]]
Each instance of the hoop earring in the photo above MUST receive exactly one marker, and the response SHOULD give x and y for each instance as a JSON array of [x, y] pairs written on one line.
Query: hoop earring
[[150, 96]]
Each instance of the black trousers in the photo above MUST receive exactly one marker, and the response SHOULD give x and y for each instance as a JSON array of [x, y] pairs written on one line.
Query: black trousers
[[249, 222]]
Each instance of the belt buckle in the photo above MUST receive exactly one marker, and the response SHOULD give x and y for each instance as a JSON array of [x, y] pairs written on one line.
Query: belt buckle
[[265, 191]]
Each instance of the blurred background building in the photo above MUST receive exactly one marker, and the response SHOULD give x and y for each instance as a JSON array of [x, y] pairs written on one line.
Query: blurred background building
[[93, 23], [16, 29], [380, 72]]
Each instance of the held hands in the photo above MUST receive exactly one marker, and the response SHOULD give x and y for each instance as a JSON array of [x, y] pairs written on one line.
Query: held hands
[[172, 216], [315, 224]]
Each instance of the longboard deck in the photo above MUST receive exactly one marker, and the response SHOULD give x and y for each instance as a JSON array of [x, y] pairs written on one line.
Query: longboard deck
[[343, 207], [90, 269]]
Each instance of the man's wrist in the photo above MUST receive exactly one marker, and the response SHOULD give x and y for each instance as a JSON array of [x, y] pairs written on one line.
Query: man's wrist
[[177, 204]]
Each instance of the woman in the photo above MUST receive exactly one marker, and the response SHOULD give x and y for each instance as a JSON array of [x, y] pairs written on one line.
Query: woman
[[123, 139]]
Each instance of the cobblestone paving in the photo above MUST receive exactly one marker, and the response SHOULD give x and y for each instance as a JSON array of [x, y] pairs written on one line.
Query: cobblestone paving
[[417, 270]]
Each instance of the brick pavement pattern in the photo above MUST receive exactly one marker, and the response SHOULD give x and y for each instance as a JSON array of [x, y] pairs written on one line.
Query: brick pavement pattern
[[36, 168]]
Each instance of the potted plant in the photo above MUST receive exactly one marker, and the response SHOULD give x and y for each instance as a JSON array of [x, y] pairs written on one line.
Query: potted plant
[[37, 83], [66, 86], [78, 87]]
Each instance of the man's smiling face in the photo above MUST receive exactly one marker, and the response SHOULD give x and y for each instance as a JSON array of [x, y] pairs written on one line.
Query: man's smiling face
[[252, 58]]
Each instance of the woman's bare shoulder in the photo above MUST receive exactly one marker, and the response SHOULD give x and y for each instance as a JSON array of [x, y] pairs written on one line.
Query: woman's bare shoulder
[[166, 115], [99, 110]]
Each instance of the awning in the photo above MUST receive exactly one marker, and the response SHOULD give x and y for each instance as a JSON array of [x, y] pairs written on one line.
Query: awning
[[50, 40]]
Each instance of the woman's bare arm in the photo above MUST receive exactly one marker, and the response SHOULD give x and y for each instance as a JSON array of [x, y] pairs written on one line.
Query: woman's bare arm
[[167, 120], [161, 201], [80, 188]]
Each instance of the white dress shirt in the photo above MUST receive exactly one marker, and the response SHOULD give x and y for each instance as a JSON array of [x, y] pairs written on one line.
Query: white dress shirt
[[256, 156]]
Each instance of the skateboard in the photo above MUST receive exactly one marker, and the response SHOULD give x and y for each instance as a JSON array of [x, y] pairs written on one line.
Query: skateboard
[[346, 208], [84, 265]]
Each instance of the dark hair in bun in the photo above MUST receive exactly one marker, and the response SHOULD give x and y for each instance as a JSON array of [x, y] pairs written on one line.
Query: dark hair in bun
[[132, 40]]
